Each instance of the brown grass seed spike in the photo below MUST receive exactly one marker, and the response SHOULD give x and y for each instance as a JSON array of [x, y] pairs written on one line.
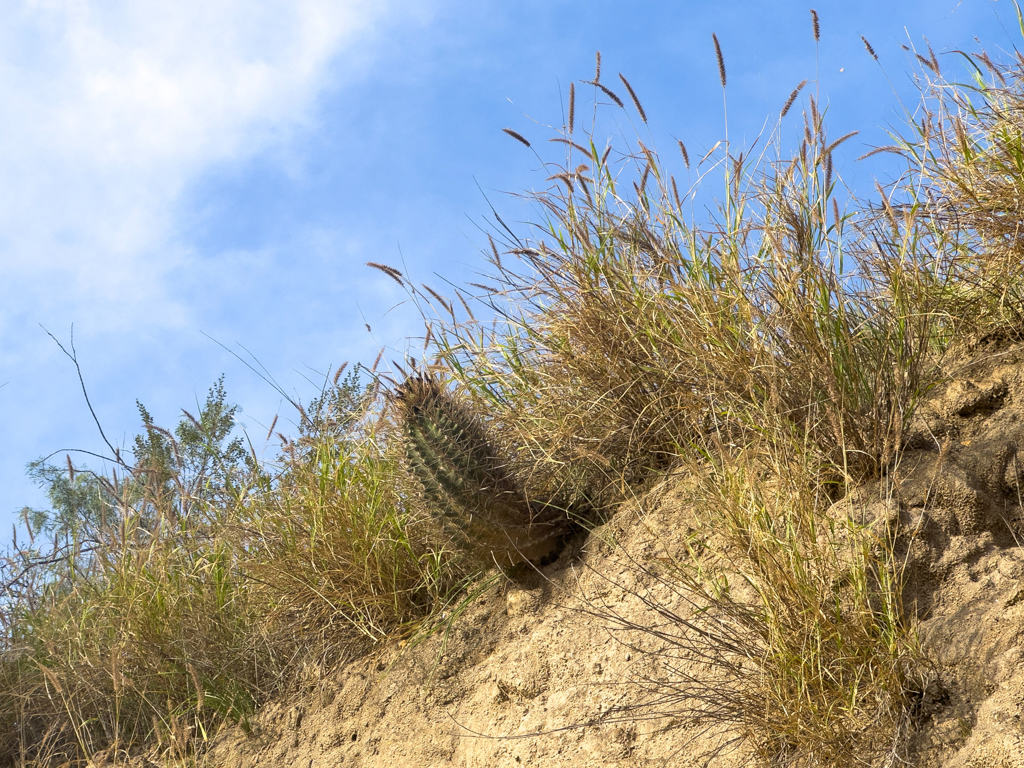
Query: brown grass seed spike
[[686, 155], [721, 59], [391, 272], [517, 136], [870, 50], [610, 94], [633, 96], [572, 106], [791, 99]]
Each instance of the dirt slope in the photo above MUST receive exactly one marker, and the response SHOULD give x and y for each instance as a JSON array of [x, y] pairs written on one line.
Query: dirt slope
[[527, 677], [523, 661]]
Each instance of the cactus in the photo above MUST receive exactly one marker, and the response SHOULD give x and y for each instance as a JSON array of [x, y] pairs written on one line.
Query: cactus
[[478, 501]]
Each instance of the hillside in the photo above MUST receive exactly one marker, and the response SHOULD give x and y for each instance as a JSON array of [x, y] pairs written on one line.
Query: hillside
[[546, 670], [667, 488]]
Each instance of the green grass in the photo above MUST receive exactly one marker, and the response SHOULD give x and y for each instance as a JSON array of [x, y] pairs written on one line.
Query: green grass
[[342, 549]]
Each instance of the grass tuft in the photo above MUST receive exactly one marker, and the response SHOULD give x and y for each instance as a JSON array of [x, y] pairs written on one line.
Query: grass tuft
[[787, 625]]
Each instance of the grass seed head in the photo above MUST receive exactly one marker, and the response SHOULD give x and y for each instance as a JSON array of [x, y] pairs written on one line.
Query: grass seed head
[[391, 272], [685, 154], [633, 96], [610, 94], [720, 58], [792, 99], [572, 106], [517, 136], [868, 48], [932, 65]]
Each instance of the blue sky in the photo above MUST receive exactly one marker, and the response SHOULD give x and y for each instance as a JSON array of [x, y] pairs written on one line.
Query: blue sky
[[176, 170]]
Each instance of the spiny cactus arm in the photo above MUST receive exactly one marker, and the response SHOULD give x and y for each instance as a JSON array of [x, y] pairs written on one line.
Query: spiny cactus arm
[[436, 472], [503, 505], [471, 523], [427, 477], [463, 474], [457, 432], [491, 543], [471, 438], [454, 501], [470, 455], [425, 461]]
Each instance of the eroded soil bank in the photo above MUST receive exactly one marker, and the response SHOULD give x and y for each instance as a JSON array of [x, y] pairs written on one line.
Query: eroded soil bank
[[528, 675]]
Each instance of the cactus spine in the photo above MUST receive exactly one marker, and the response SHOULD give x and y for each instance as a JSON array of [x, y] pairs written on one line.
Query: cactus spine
[[462, 473]]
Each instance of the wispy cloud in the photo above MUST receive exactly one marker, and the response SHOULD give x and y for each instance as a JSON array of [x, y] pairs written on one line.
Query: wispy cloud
[[107, 112]]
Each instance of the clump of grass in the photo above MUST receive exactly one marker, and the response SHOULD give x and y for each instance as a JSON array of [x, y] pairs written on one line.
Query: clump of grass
[[346, 555], [966, 157], [790, 632], [146, 632], [128, 619], [628, 334]]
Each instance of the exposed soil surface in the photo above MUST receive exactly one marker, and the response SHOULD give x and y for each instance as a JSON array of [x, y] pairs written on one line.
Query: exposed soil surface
[[526, 676]]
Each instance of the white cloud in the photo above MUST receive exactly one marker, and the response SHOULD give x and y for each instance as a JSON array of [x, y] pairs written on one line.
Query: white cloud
[[107, 111]]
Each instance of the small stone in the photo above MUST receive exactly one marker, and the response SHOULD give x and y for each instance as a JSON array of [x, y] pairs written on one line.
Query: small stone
[[521, 603]]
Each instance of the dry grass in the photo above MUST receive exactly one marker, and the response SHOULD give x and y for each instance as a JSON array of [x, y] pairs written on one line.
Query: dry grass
[[153, 638], [168, 616], [962, 196], [774, 350], [786, 628], [629, 335], [342, 551]]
